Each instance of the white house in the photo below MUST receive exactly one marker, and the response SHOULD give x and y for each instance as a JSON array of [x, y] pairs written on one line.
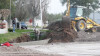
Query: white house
[[39, 22]]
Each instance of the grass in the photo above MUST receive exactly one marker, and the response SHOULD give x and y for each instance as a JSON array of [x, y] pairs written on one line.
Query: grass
[[9, 36], [30, 26], [20, 30]]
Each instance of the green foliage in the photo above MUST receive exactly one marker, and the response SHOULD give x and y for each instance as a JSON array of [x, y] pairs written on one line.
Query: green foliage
[[9, 36], [5, 4], [93, 4], [20, 30], [42, 35], [87, 12], [10, 30], [32, 35], [54, 17]]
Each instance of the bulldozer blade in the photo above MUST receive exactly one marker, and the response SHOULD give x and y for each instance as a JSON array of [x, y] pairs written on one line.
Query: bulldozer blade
[[67, 20]]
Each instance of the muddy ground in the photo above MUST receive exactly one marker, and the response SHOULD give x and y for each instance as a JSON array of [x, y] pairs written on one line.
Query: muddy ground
[[69, 49], [88, 37], [19, 51], [87, 43]]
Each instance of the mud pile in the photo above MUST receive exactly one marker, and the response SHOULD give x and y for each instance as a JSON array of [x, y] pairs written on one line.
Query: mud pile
[[61, 31], [23, 38]]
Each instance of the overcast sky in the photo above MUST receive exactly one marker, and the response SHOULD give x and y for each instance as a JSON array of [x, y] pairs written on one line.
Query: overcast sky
[[55, 7]]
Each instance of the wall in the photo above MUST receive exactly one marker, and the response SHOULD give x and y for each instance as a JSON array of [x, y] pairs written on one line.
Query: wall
[[5, 30]]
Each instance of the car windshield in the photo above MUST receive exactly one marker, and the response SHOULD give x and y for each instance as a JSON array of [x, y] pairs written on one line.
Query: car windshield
[[73, 12], [76, 12]]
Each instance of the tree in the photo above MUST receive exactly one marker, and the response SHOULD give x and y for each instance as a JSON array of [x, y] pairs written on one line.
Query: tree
[[29, 8], [4, 13], [34, 8], [94, 4], [44, 10], [21, 10], [53, 17], [4, 4]]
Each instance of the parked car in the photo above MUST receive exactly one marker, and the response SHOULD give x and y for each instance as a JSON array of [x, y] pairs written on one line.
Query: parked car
[[23, 25]]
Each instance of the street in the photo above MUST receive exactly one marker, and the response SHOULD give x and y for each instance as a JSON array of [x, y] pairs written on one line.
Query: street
[[68, 49]]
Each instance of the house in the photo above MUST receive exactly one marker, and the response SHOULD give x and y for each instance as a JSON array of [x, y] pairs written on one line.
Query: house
[[38, 22]]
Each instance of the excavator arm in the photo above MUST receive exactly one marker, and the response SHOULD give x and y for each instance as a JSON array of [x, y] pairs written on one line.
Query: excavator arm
[[93, 22], [68, 15], [68, 8]]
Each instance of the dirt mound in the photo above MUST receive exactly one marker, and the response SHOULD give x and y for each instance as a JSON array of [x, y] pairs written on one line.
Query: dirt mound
[[61, 31], [23, 38]]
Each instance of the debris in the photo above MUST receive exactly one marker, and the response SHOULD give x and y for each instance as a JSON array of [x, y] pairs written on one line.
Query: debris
[[23, 38], [61, 31], [88, 37]]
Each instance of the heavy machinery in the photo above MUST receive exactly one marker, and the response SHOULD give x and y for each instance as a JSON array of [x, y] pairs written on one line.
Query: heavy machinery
[[78, 22]]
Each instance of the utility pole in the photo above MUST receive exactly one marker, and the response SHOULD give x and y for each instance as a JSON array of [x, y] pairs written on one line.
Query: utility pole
[[41, 12], [10, 13]]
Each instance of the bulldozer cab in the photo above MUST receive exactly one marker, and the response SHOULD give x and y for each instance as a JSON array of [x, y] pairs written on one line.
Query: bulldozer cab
[[76, 12]]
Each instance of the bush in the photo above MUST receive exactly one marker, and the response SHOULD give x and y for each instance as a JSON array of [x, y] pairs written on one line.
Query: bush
[[32, 35], [10, 30], [41, 36]]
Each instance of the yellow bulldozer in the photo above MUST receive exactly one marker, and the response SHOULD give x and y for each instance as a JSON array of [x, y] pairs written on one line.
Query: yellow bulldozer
[[78, 22]]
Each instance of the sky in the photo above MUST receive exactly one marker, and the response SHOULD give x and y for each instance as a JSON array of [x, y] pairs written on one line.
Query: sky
[[55, 7]]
